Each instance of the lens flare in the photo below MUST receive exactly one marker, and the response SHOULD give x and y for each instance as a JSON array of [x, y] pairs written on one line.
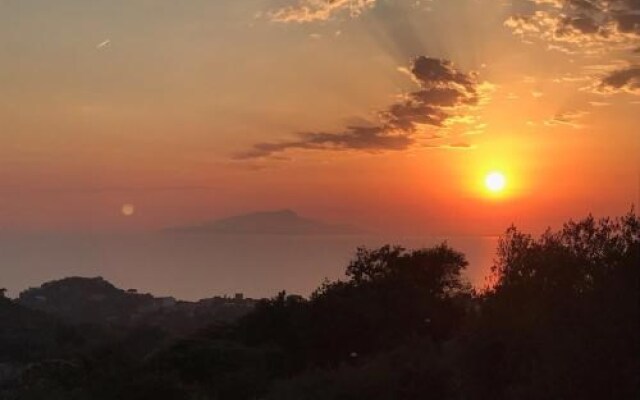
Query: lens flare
[[128, 210]]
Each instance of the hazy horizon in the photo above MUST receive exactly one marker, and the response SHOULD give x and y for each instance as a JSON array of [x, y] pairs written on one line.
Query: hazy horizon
[[194, 266]]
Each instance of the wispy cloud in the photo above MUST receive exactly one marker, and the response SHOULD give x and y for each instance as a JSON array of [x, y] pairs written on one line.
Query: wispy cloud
[[103, 44], [567, 118], [319, 10], [452, 146], [443, 93]]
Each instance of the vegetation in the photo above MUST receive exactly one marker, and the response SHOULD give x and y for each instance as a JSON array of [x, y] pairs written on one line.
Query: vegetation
[[560, 320]]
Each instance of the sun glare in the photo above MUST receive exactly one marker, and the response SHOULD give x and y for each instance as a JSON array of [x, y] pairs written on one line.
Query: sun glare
[[495, 182]]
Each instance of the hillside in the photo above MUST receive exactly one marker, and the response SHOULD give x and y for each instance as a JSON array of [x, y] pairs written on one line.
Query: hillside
[[95, 301], [26, 334]]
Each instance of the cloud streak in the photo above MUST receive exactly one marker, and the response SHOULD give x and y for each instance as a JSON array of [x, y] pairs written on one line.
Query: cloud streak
[[443, 91], [622, 80], [319, 10], [371, 139], [567, 118]]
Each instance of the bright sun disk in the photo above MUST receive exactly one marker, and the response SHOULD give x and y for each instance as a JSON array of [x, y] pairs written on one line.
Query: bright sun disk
[[495, 182]]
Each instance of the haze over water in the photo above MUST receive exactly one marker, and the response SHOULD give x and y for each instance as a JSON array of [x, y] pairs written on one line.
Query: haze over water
[[194, 266]]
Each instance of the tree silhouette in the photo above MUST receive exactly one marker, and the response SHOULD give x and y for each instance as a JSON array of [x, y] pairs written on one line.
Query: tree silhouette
[[562, 318], [390, 294]]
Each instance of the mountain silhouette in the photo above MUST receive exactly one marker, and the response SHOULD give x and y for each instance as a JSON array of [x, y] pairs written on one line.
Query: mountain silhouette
[[281, 222]]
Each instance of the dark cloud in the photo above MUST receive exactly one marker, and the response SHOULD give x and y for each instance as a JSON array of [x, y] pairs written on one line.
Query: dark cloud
[[442, 89], [371, 139], [626, 79], [433, 72], [443, 92]]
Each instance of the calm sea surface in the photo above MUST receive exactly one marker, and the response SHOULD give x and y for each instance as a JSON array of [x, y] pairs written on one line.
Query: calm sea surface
[[193, 266]]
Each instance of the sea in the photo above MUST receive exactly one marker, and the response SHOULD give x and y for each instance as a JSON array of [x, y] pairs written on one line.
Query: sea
[[191, 266]]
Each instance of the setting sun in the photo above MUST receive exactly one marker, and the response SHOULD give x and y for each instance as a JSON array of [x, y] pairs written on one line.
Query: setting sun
[[495, 182]]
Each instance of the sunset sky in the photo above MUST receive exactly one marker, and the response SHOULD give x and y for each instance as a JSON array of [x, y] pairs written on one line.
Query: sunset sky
[[127, 115]]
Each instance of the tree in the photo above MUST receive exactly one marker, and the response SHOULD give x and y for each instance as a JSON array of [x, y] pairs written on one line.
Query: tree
[[390, 295], [562, 318]]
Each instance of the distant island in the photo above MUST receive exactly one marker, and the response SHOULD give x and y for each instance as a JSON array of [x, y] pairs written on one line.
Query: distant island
[[280, 222]]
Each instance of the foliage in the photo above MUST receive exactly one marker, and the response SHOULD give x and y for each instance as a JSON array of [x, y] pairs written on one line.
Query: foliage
[[390, 295], [562, 319], [415, 370]]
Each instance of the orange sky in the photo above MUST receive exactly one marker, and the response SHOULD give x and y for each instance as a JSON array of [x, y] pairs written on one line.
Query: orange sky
[[160, 104]]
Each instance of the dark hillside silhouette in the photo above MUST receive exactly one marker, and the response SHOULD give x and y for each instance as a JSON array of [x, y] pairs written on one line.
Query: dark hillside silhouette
[[27, 335], [95, 301]]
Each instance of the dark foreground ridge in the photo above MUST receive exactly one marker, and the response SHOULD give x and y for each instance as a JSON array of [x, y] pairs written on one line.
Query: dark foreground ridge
[[560, 320]]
